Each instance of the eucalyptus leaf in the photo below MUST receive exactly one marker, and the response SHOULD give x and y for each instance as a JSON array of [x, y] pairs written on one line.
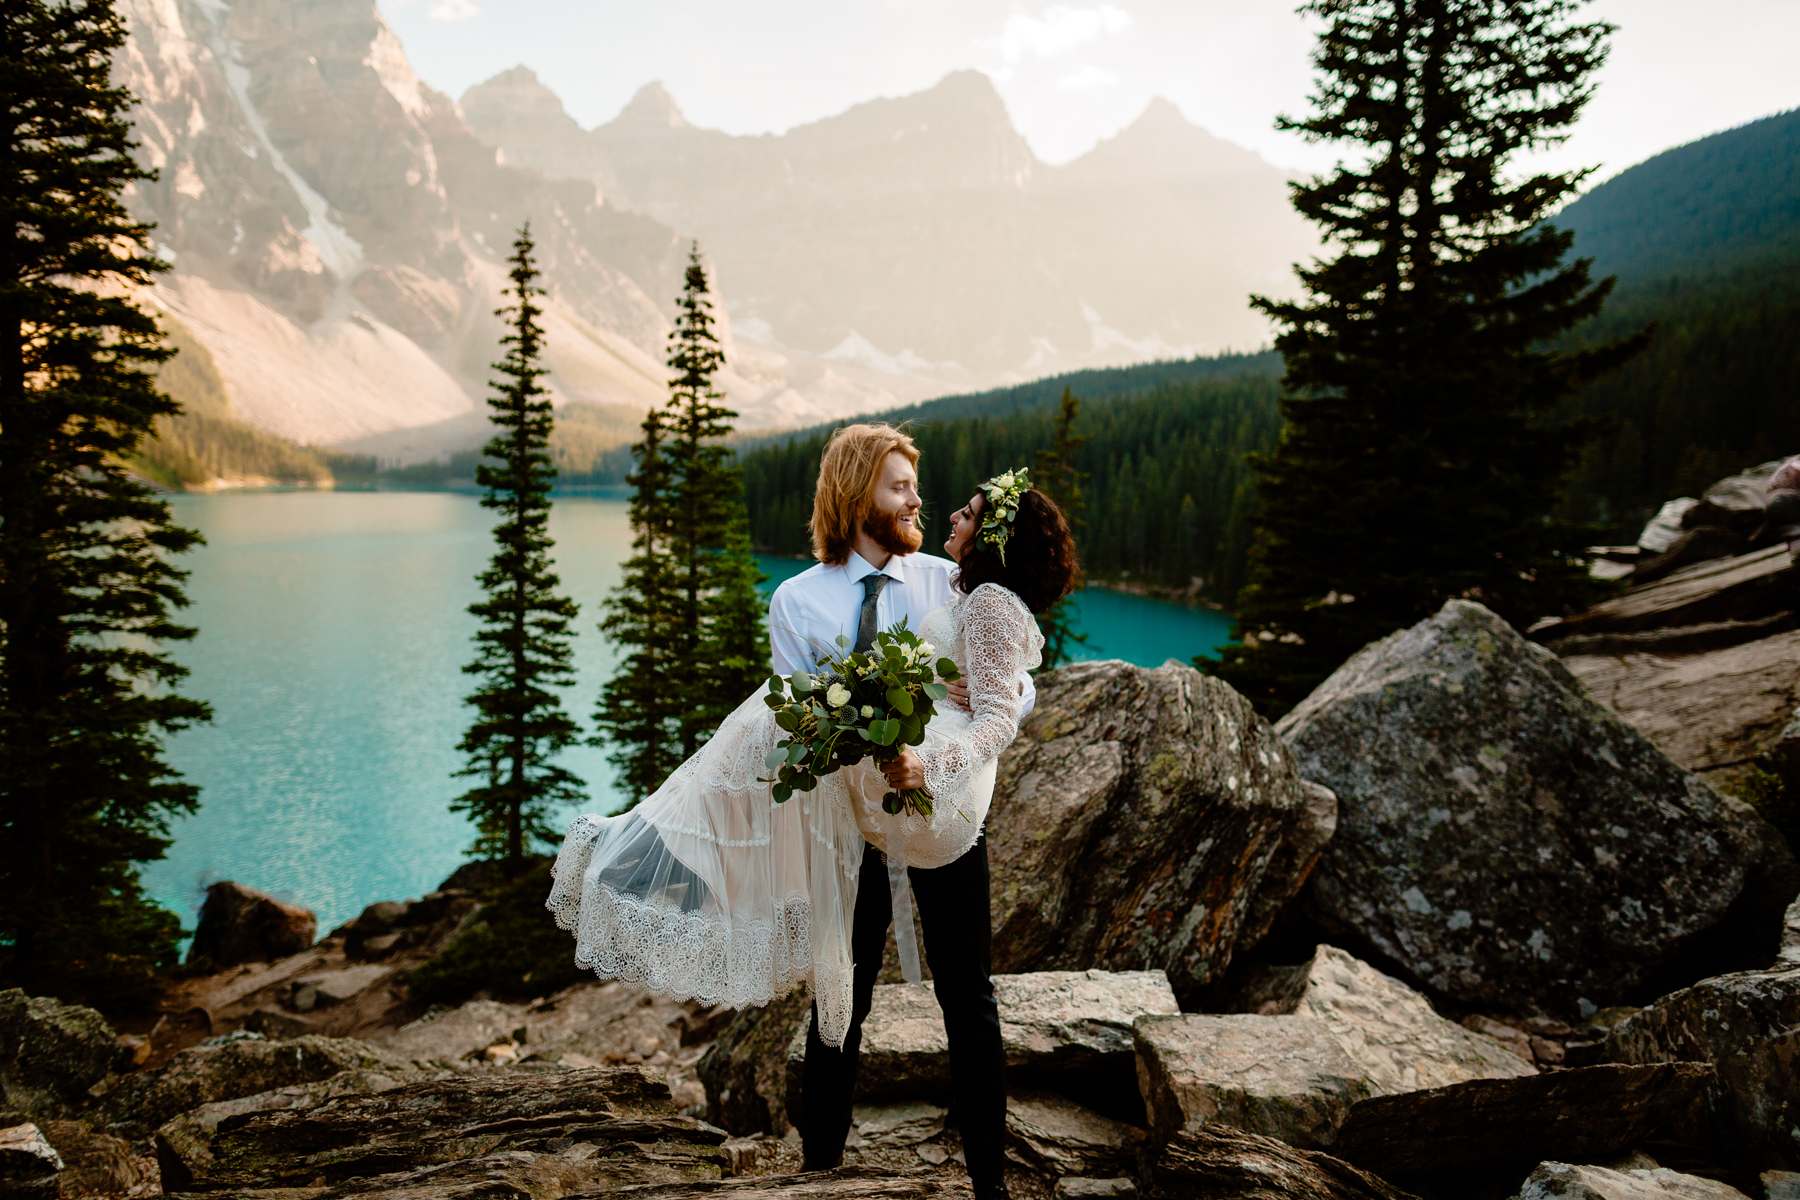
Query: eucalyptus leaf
[[937, 691], [775, 758], [900, 700]]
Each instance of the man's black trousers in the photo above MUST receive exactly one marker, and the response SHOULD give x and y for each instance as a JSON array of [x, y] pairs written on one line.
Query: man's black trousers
[[955, 915]]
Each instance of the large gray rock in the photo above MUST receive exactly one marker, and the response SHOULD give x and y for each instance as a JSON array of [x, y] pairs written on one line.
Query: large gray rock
[[1501, 838], [1284, 1077], [1391, 1032], [1144, 819], [1065, 1031], [1662, 530], [242, 1065], [1790, 935], [1052, 1136], [593, 1129], [51, 1053], [29, 1164], [239, 924], [1570, 1181]]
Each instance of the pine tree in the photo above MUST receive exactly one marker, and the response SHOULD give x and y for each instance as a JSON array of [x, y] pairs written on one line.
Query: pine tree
[[87, 589], [1423, 446], [523, 645], [1057, 474], [718, 631], [686, 613], [638, 716]]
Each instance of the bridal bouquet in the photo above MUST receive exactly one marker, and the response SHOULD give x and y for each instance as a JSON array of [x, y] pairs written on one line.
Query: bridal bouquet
[[868, 704]]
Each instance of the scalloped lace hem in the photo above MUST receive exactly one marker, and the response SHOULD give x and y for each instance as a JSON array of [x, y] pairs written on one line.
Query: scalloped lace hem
[[703, 956]]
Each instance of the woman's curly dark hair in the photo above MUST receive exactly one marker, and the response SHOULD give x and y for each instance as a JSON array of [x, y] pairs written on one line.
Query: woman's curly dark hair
[[1041, 564]]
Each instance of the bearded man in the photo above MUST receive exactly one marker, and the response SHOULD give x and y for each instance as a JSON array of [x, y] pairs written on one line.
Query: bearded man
[[866, 535]]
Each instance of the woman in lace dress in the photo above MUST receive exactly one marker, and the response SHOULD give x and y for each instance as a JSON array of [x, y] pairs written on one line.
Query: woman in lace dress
[[710, 890]]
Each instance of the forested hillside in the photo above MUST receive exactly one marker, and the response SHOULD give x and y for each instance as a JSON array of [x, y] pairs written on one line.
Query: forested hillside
[[1168, 488]]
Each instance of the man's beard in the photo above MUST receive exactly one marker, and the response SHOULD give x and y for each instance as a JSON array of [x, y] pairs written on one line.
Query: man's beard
[[891, 535]]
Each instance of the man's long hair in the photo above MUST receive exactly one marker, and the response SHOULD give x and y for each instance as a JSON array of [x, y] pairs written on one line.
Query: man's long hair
[[848, 471]]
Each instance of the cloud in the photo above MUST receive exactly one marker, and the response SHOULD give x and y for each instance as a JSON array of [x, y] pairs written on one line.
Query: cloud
[[454, 10], [1056, 30], [1087, 78]]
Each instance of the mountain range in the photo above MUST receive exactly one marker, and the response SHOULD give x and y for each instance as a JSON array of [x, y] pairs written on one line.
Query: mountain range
[[338, 231]]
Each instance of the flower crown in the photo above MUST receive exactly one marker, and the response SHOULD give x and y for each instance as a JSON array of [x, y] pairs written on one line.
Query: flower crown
[[1003, 493]]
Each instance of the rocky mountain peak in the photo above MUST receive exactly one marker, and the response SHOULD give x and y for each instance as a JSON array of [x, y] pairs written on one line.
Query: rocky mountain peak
[[517, 90], [652, 106], [1161, 143]]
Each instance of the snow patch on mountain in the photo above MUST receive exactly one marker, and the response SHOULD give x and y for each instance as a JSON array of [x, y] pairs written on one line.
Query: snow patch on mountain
[[858, 349]]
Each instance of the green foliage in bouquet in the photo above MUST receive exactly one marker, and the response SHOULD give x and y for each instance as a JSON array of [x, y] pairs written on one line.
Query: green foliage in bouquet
[[863, 704]]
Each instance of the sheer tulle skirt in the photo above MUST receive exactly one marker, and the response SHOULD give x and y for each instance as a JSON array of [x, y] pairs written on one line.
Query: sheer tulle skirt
[[710, 890]]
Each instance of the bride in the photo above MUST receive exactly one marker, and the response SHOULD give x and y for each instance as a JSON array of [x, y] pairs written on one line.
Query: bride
[[710, 890]]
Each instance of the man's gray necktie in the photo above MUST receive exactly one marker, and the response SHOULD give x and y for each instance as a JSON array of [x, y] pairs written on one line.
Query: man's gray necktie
[[906, 939], [872, 583]]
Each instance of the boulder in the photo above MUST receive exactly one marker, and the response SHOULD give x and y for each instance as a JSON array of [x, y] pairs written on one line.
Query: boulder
[[1396, 1039], [1568, 1181], [1501, 838], [1284, 1077], [241, 1065], [1218, 1162], [1781, 1185], [1665, 526], [1052, 1136], [29, 1164], [1710, 1020], [1789, 951], [595, 1129], [98, 1164], [51, 1053], [745, 1070], [1067, 1031], [1784, 754], [239, 924], [1144, 819], [1082, 1187], [1760, 1100], [1735, 503], [1439, 1138], [1745, 588]]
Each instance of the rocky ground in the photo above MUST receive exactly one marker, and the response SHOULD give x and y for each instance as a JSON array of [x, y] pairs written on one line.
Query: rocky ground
[[1479, 919]]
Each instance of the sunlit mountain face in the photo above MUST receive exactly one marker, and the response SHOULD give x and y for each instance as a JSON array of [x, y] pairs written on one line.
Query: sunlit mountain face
[[339, 230]]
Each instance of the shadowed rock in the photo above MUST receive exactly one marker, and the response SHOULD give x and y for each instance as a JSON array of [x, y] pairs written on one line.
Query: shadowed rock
[[620, 1120], [1218, 1162], [51, 1053], [1490, 1128], [239, 924], [1501, 838], [242, 1065]]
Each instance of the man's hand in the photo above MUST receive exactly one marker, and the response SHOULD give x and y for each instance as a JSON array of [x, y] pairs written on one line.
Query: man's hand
[[959, 694], [905, 772]]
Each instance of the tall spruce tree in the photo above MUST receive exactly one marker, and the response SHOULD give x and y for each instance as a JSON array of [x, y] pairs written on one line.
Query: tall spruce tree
[[718, 631], [686, 613], [1056, 472], [523, 644], [1424, 440], [87, 589], [638, 715]]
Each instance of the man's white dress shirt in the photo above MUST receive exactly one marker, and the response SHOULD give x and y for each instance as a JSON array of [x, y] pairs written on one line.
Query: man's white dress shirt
[[809, 612]]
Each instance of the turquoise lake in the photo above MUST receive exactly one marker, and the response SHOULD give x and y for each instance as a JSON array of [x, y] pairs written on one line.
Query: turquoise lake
[[332, 635]]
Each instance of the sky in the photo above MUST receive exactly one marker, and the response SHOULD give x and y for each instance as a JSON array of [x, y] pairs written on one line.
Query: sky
[[1070, 73]]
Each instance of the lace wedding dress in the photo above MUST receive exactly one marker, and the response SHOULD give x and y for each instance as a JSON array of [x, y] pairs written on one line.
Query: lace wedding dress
[[710, 890]]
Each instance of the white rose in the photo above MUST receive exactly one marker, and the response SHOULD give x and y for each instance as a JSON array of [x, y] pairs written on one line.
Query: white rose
[[1005, 481], [867, 711], [837, 695], [927, 649]]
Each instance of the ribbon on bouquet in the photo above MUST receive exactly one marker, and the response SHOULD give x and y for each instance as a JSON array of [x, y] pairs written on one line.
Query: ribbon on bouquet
[[906, 939]]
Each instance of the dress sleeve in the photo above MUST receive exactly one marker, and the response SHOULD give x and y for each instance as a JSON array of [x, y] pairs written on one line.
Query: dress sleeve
[[1000, 641]]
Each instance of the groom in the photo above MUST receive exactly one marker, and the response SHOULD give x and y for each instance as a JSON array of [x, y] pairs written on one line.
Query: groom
[[865, 534]]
